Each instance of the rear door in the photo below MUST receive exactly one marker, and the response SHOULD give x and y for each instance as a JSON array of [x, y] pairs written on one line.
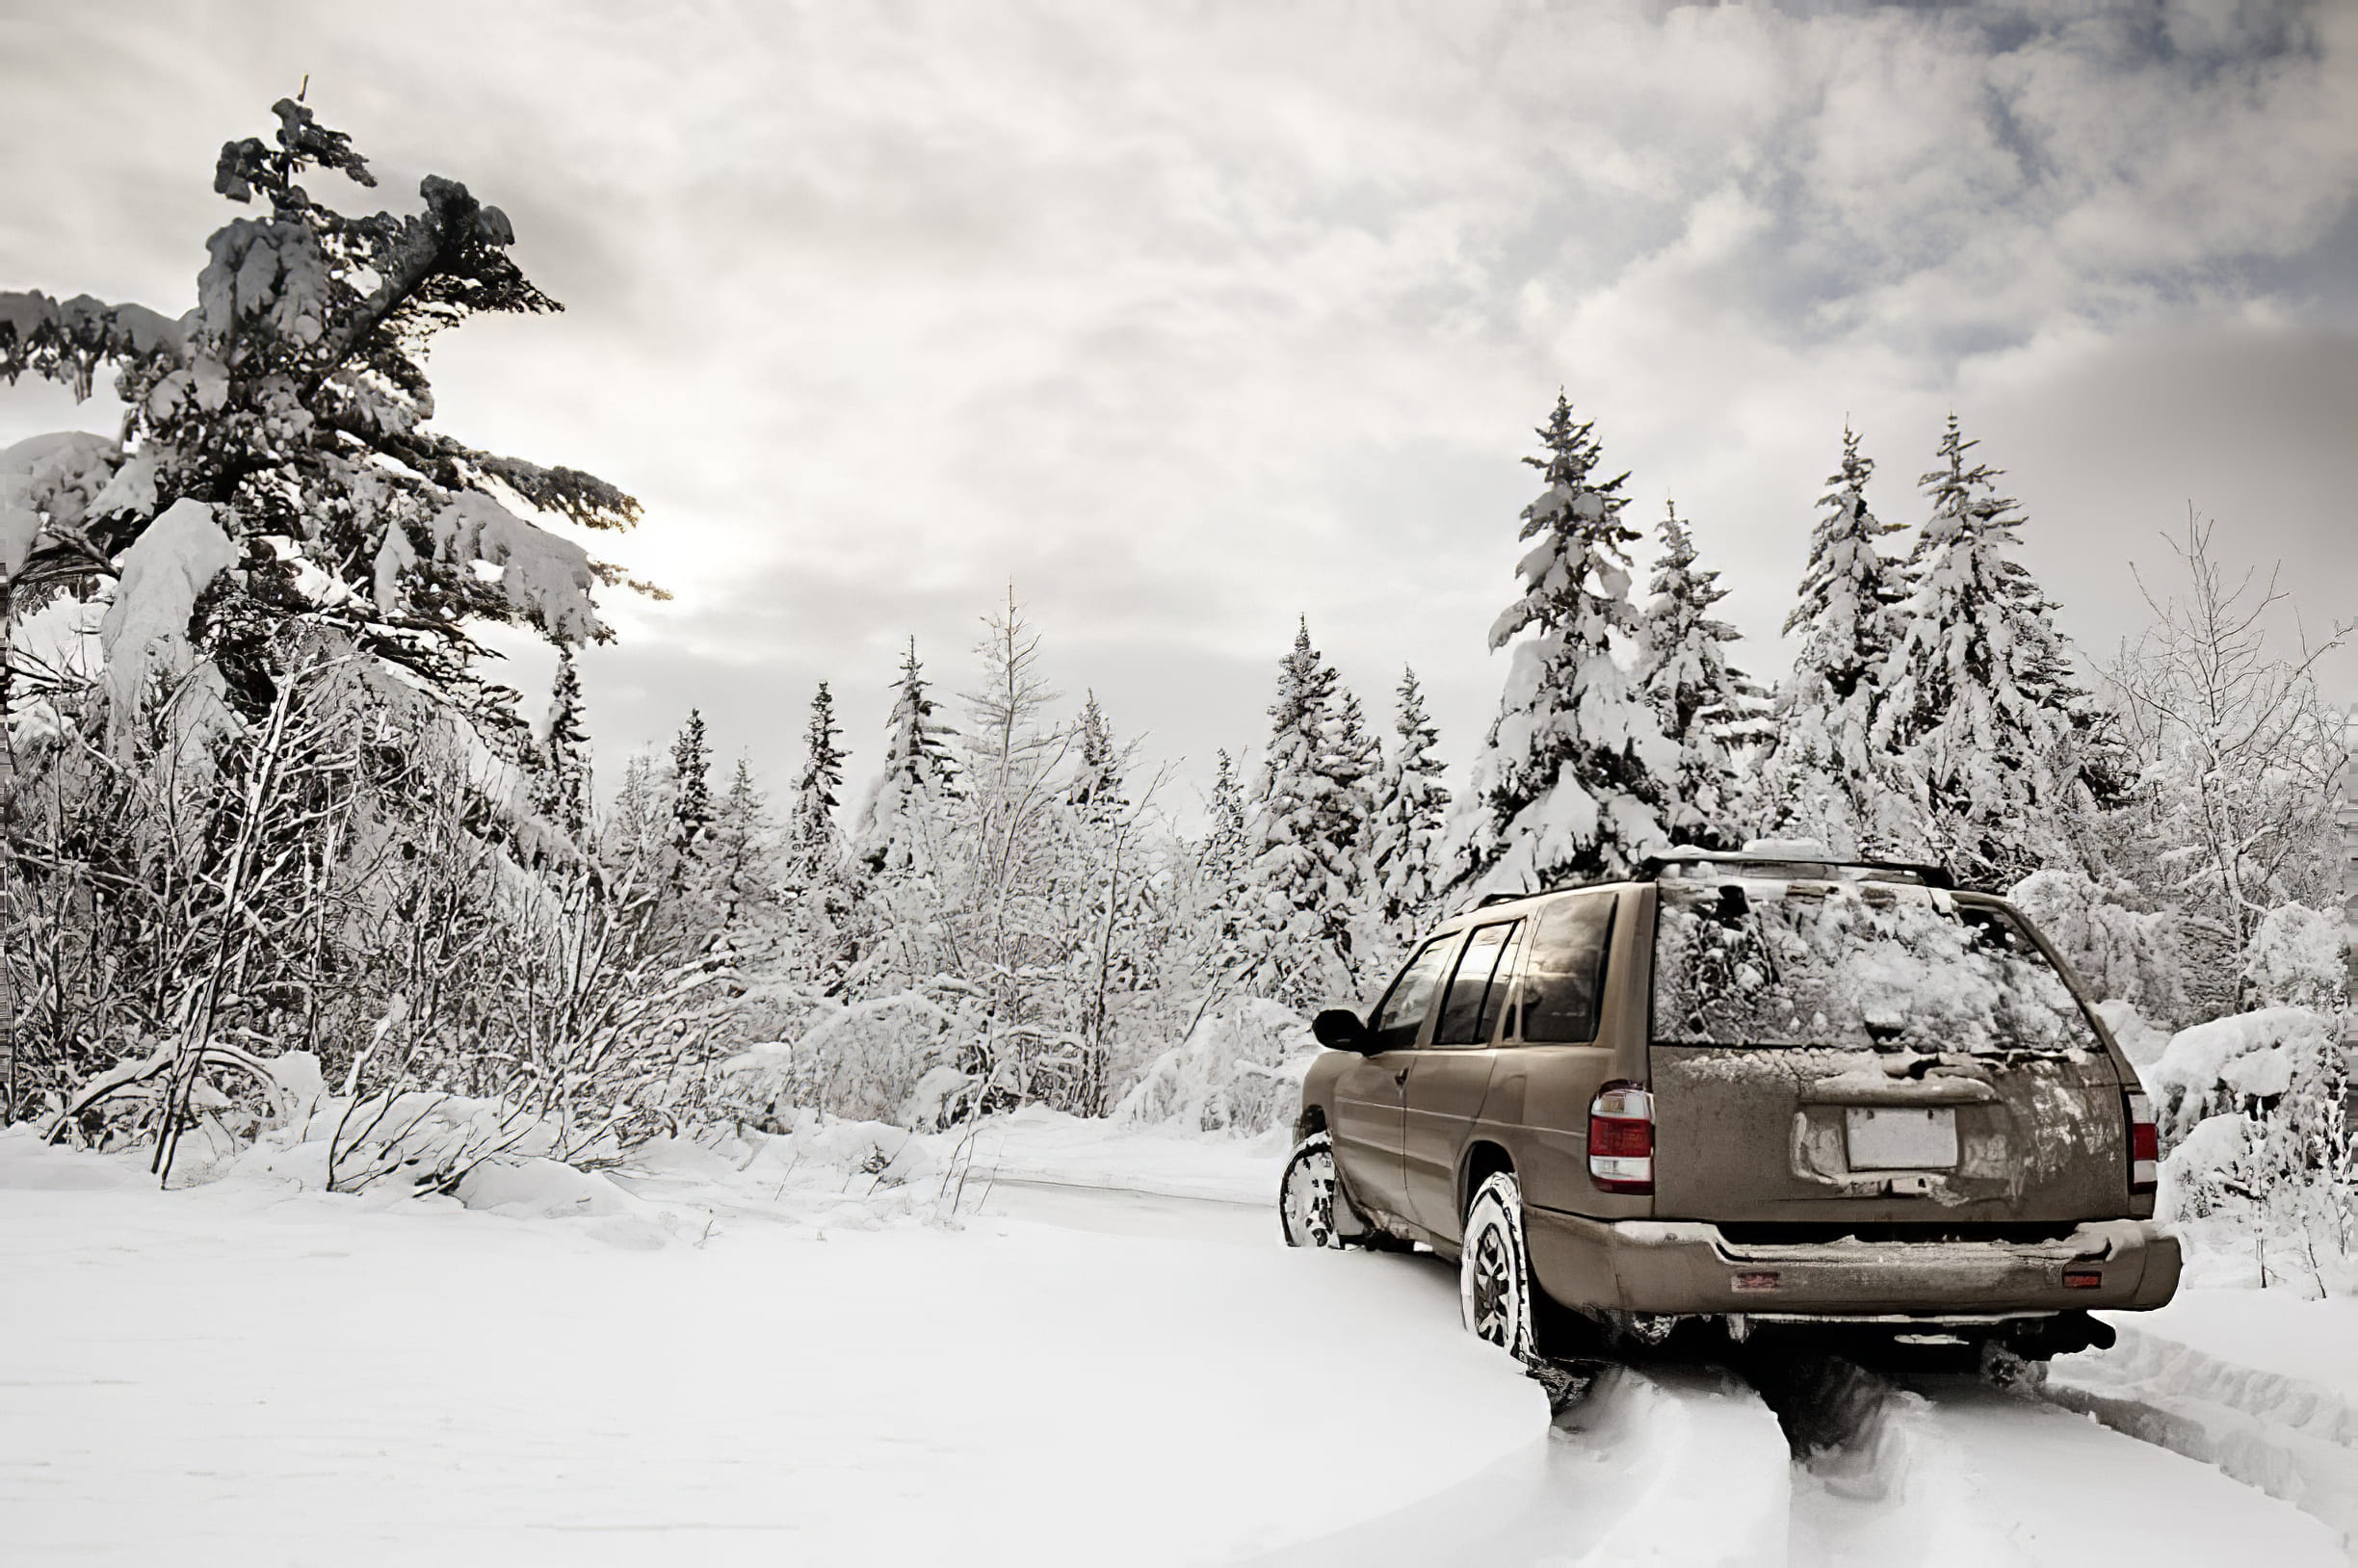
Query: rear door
[[1450, 1075], [1369, 1093], [1846, 1053]]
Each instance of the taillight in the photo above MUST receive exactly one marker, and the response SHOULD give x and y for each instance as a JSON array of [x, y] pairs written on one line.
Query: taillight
[[2144, 1145], [1621, 1138]]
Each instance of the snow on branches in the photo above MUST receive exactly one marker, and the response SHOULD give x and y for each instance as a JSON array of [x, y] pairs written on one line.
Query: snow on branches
[[1576, 773]]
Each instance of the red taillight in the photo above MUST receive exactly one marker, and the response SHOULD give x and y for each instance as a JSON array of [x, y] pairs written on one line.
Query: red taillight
[[2144, 1145], [1621, 1138]]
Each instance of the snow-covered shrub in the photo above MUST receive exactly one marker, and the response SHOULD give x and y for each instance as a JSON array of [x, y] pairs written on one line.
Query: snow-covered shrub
[[1239, 1071], [2119, 952], [2257, 1129], [880, 1059], [2297, 958], [2245, 1063]]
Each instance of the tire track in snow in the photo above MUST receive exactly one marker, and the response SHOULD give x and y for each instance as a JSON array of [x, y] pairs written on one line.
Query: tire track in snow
[[1689, 1466], [1664, 1467], [1949, 1473]]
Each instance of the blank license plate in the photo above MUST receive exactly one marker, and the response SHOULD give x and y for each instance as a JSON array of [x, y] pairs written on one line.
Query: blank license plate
[[1901, 1137]]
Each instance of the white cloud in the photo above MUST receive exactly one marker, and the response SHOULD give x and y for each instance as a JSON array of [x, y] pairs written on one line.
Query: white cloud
[[1191, 322]]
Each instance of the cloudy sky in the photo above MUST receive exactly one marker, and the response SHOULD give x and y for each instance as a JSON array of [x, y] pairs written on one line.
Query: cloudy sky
[[1193, 319]]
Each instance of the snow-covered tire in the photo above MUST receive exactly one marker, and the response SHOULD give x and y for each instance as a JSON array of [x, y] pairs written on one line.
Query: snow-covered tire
[[1311, 1205], [1494, 1282]]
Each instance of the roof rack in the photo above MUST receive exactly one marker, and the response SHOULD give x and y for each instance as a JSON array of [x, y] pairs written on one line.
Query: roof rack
[[1826, 868], [1682, 863]]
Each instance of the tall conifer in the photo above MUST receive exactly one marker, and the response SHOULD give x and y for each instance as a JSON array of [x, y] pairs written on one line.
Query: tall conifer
[[1573, 776]]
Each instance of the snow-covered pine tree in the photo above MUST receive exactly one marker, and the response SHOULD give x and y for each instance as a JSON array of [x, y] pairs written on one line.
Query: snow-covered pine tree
[[740, 872], [279, 428], [1820, 780], [1975, 733], [561, 786], [1708, 706], [1355, 769], [813, 839], [1096, 781], [1411, 806], [1226, 851], [692, 806], [898, 821], [1572, 779], [1304, 874]]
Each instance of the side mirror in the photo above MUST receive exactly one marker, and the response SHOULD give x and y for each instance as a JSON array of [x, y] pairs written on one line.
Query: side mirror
[[1339, 1028]]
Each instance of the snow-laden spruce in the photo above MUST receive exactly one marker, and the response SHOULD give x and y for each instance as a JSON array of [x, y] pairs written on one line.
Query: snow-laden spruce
[[1700, 700], [1819, 780], [1575, 775], [1975, 734], [562, 792], [1411, 808], [891, 834], [286, 418], [1308, 832]]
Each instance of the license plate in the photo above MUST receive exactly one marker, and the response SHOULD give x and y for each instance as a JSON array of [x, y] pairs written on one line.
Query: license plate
[[1901, 1137]]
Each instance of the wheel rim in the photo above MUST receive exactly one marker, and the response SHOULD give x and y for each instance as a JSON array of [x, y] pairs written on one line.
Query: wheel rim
[[1496, 1291], [1310, 1201]]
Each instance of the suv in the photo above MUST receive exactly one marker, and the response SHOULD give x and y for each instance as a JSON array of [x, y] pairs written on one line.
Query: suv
[[1737, 1090]]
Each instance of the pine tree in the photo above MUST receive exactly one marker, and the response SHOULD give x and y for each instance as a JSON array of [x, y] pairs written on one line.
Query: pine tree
[[1354, 767], [691, 786], [562, 788], [283, 426], [897, 821], [1573, 776], [1096, 782], [1980, 713], [740, 871], [811, 826], [1411, 805], [1226, 851], [1698, 699], [1304, 872], [1820, 780]]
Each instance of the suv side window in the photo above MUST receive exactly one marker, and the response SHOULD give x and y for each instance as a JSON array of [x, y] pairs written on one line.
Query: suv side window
[[1477, 989], [1401, 1014], [1564, 973]]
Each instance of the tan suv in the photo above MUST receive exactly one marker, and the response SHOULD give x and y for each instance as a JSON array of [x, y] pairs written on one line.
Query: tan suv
[[1740, 1091]]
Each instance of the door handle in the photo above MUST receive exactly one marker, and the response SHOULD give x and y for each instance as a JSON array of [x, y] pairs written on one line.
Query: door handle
[[1400, 1077]]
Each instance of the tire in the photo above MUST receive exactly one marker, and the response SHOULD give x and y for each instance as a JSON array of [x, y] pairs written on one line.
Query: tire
[[1494, 1282], [1312, 1207]]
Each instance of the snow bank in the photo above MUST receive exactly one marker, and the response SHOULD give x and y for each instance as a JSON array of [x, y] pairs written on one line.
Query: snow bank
[[2260, 1384]]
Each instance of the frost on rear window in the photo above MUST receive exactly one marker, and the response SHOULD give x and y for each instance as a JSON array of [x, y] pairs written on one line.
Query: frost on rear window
[[1767, 963]]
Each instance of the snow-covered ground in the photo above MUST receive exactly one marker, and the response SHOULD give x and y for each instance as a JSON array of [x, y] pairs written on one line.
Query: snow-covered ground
[[245, 1373], [1102, 1355]]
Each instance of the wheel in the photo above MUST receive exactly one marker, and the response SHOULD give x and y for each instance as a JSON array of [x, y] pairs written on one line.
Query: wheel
[[1310, 1199], [1494, 1283]]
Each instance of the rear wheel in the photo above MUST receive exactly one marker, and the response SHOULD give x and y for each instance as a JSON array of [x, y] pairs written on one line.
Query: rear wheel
[[1310, 1201], [1494, 1284]]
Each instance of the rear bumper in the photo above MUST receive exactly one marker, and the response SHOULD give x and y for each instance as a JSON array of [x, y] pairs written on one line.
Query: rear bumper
[[1663, 1267]]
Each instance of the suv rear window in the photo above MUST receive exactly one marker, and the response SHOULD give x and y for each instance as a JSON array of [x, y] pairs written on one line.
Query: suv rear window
[[1765, 963]]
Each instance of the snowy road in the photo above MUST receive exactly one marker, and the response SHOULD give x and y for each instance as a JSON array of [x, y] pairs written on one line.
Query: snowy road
[[1946, 1473], [246, 1374]]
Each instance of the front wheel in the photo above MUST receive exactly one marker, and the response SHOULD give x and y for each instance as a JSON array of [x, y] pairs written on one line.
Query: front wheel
[[1494, 1283], [1309, 1196]]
